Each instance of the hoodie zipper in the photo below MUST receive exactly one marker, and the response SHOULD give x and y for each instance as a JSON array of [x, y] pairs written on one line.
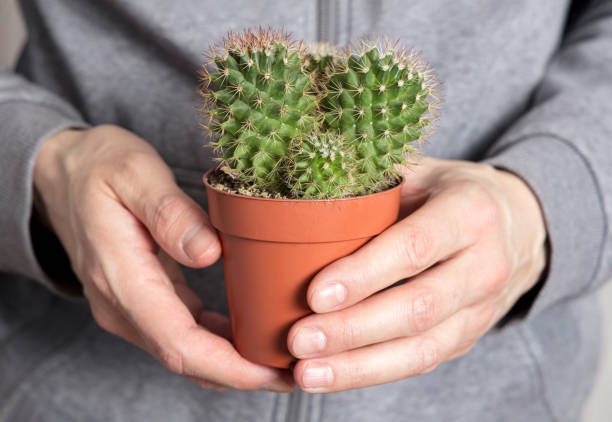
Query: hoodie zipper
[[325, 20]]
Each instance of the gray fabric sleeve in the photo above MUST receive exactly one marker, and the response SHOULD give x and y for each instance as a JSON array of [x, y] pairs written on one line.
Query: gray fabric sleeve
[[28, 116], [562, 148]]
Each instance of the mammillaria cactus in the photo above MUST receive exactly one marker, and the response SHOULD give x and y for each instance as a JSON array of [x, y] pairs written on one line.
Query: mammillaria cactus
[[308, 121], [321, 166], [377, 101]]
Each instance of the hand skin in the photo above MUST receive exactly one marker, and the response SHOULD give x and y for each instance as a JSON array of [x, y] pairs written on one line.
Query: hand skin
[[472, 242], [125, 224]]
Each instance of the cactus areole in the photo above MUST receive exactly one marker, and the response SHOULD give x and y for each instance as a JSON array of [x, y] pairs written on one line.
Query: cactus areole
[[319, 132], [309, 121]]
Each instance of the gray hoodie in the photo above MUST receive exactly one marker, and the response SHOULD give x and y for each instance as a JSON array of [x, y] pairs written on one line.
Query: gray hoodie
[[527, 86]]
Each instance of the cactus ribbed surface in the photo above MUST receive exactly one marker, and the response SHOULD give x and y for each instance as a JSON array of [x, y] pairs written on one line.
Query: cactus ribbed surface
[[312, 122], [263, 101], [320, 166], [377, 102]]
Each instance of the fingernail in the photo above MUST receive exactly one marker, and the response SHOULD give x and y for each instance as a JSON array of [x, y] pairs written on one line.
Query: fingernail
[[317, 376], [278, 386], [197, 240], [328, 297], [308, 340]]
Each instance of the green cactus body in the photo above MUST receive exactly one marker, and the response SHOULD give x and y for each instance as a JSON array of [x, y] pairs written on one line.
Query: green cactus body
[[319, 58], [320, 167], [378, 101], [262, 101], [312, 122]]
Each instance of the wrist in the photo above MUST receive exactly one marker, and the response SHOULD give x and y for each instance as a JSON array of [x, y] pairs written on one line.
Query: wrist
[[528, 223], [49, 170]]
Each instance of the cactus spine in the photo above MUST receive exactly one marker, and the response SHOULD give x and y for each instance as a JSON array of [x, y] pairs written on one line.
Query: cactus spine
[[320, 166], [378, 102], [312, 122], [263, 101]]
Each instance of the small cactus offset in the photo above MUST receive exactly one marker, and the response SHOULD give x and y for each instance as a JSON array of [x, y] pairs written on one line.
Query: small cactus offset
[[321, 165], [312, 122]]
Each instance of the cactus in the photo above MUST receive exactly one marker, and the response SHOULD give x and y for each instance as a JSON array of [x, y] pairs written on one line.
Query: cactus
[[321, 165], [378, 101], [309, 121], [319, 58], [263, 101]]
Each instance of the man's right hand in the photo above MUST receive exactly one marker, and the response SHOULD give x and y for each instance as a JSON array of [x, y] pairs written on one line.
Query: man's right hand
[[125, 224]]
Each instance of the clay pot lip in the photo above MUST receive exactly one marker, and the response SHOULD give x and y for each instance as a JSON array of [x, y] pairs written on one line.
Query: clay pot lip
[[258, 198]]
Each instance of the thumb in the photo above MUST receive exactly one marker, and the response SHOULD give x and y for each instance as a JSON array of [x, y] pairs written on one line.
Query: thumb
[[417, 183], [176, 222], [418, 173]]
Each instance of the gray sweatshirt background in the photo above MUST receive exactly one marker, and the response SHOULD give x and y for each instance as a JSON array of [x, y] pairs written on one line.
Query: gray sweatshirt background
[[523, 89]]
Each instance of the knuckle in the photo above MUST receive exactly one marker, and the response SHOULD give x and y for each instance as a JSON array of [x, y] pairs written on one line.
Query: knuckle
[[497, 276], [206, 384], [95, 283], [104, 132], [166, 213], [99, 283], [103, 320], [504, 267], [355, 373], [172, 359], [463, 350], [473, 191], [427, 355], [350, 333], [503, 270], [130, 164], [477, 322], [422, 311], [87, 188], [241, 383], [416, 248], [105, 129], [483, 206], [81, 268], [485, 318]]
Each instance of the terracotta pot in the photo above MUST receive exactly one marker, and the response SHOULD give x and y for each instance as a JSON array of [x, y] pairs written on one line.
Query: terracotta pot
[[271, 250]]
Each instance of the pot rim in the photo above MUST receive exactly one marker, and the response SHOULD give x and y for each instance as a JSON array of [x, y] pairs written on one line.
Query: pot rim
[[350, 198]]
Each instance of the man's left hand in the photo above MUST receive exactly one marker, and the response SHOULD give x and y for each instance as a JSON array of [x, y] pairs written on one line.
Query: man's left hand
[[472, 242]]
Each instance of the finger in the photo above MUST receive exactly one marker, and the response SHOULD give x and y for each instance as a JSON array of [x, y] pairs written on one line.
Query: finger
[[171, 267], [147, 298], [174, 220], [404, 250], [417, 183], [477, 321], [209, 385], [462, 350], [380, 363], [114, 323], [141, 289], [406, 310], [150, 302], [216, 323], [187, 296], [110, 320]]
